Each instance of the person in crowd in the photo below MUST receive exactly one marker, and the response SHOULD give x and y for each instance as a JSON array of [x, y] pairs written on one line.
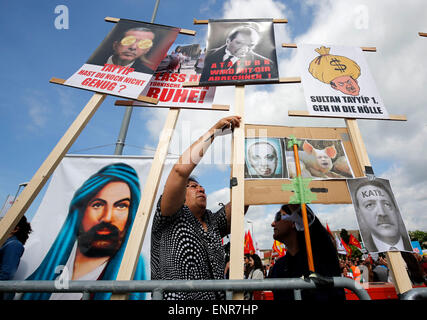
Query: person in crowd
[[11, 251], [415, 271], [185, 235], [288, 228], [246, 265], [380, 271], [256, 272]]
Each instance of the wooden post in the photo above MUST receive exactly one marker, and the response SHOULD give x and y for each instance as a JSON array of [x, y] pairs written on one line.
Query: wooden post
[[396, 263], [237, 193], [20, 206], [142, 217]]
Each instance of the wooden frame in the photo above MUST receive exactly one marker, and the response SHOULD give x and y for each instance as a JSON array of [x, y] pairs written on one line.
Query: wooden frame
[[269, 191], [294, 46]]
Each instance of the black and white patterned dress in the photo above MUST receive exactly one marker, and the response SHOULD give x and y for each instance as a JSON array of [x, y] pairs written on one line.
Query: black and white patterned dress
[[182, 250]]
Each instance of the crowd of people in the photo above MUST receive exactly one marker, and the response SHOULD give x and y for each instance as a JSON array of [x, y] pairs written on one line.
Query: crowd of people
[[370, 270]]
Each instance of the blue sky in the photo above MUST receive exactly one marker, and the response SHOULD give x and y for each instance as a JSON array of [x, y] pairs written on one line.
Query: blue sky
[[34, 114]]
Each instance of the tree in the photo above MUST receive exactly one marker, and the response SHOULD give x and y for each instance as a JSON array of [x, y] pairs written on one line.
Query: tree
[[418, 235]]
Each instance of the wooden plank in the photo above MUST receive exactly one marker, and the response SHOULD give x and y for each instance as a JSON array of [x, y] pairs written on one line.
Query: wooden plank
[[141, 98], [197, 21], [359, 146], [395, 261], [294, 45], [181, 31], [147, 99], [237, 194], [305, 113], [139, 228], [131, 103], [281, 80], [30, 192], [398, 272]]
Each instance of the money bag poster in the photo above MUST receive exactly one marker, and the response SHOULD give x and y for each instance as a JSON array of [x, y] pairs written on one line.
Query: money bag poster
[[337, 83]]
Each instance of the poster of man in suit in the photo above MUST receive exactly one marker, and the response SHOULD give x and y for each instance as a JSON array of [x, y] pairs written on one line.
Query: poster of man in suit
[[240, 52], [378, 215]]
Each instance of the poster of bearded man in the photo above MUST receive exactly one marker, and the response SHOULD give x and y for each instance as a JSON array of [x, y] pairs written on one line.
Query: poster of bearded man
[[337, 83]]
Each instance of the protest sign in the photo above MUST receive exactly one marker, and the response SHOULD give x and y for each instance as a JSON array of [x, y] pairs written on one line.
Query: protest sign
[[378, 215], [125, 61], [240, 52], [182, 64], [337, 83], [320, 159], [68, 240]]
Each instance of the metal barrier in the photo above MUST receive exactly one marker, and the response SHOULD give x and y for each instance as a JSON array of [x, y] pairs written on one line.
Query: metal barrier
[[157, 287], [415, 294]]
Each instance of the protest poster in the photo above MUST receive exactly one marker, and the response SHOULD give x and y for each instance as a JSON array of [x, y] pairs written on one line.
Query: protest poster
[[378, 215], [240, 52], [182, 64], [337, 83], [72, 239], [319, 159], [264, 159], [125, 61]]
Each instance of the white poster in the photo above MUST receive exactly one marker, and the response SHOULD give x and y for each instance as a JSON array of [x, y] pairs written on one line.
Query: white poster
[[125, 61], [82, 226], [337, 83], [378, 215]]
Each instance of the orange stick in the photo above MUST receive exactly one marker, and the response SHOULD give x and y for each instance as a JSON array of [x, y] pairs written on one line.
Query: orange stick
[[304, 217]]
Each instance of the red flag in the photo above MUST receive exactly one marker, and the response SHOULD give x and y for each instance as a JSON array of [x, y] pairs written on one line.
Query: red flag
[[279, 248], [329, 230], [354, 241], [249, 245], [347, 248]]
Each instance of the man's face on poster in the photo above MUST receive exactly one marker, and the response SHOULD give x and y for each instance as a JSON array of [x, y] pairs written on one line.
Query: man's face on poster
[[133, 45], [242, 43], [263, 158], [346, 85], [104, 222], [378, 212]]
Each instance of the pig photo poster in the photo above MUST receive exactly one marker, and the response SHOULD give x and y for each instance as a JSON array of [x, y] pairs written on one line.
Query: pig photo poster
[[319, 159]]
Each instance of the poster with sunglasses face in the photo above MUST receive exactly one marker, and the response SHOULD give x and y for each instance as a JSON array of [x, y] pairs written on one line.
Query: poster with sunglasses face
[[126, 59]]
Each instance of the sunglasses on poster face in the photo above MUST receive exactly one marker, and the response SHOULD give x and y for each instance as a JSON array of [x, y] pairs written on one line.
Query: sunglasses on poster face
[[142, 44]]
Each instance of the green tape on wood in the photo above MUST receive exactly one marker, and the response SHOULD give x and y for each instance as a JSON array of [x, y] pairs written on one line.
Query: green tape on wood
[[302, 193]]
